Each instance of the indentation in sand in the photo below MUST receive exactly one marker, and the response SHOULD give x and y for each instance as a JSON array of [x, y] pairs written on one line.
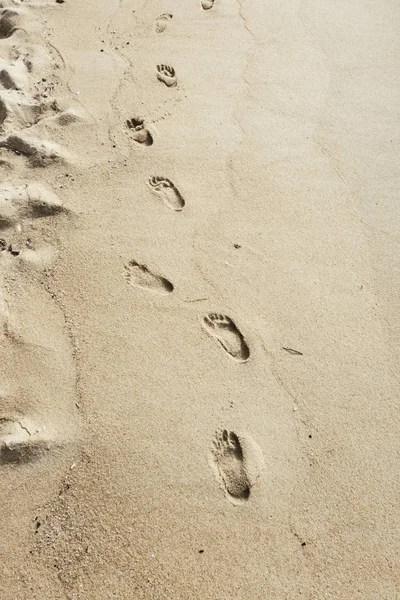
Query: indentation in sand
[[40, 153], [140, 276], [224, 330], [139, 132], [28, 201], [237, 461], [166, 74], [164, 189], [13, 77], [207, 4], [18, 109], [10, 21], [161, 22]]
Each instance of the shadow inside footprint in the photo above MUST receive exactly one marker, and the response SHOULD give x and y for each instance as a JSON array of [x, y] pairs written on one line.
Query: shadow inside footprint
[[140, 276], [166, 190], [139, 132], [224, 330], [237, 461]]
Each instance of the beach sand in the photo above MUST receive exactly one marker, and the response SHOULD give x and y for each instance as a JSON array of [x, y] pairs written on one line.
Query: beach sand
[[199, 275]]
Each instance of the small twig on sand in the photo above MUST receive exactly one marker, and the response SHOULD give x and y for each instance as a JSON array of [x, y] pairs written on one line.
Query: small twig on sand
[[291, 351]]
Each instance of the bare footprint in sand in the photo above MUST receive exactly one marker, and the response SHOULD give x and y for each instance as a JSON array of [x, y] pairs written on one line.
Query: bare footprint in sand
[[166, 190], [10, 22], [237, 461], [162, 22], [21, 441], [167, 75], [207, 4], [140, 276], [139, 132], [224, 330]]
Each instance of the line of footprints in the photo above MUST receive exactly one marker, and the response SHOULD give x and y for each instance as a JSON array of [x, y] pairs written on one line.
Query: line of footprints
[[236, 459]]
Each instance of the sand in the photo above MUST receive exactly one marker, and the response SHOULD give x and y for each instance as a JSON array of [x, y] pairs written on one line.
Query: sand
[[199, 263]]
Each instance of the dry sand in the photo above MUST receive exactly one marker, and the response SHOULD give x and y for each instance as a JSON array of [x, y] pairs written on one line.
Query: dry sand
[[199, 298]]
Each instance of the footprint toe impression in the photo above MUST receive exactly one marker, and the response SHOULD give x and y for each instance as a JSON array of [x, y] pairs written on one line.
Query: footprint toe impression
[[139, 132], [224, 330], [140, 276], [40, 153], [237, 461], [167, 75], [166, 190]]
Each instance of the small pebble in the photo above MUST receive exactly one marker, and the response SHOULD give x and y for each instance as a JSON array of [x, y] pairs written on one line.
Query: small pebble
[[13, 250]]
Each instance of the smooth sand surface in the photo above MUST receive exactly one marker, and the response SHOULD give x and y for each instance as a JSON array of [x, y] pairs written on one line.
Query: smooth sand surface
[[199, 299]]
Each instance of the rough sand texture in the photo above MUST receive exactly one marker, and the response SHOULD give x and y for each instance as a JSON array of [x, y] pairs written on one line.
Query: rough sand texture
[[199, 300]]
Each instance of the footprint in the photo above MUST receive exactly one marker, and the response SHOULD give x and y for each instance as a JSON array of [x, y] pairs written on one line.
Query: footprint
[[162, 22], [139, 132], [167, 75], [39, 152], [21, 441], [140, 276], [166, 190], [9, 22], [207, 4], [31, 201], [237, 461], [224, 330]]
